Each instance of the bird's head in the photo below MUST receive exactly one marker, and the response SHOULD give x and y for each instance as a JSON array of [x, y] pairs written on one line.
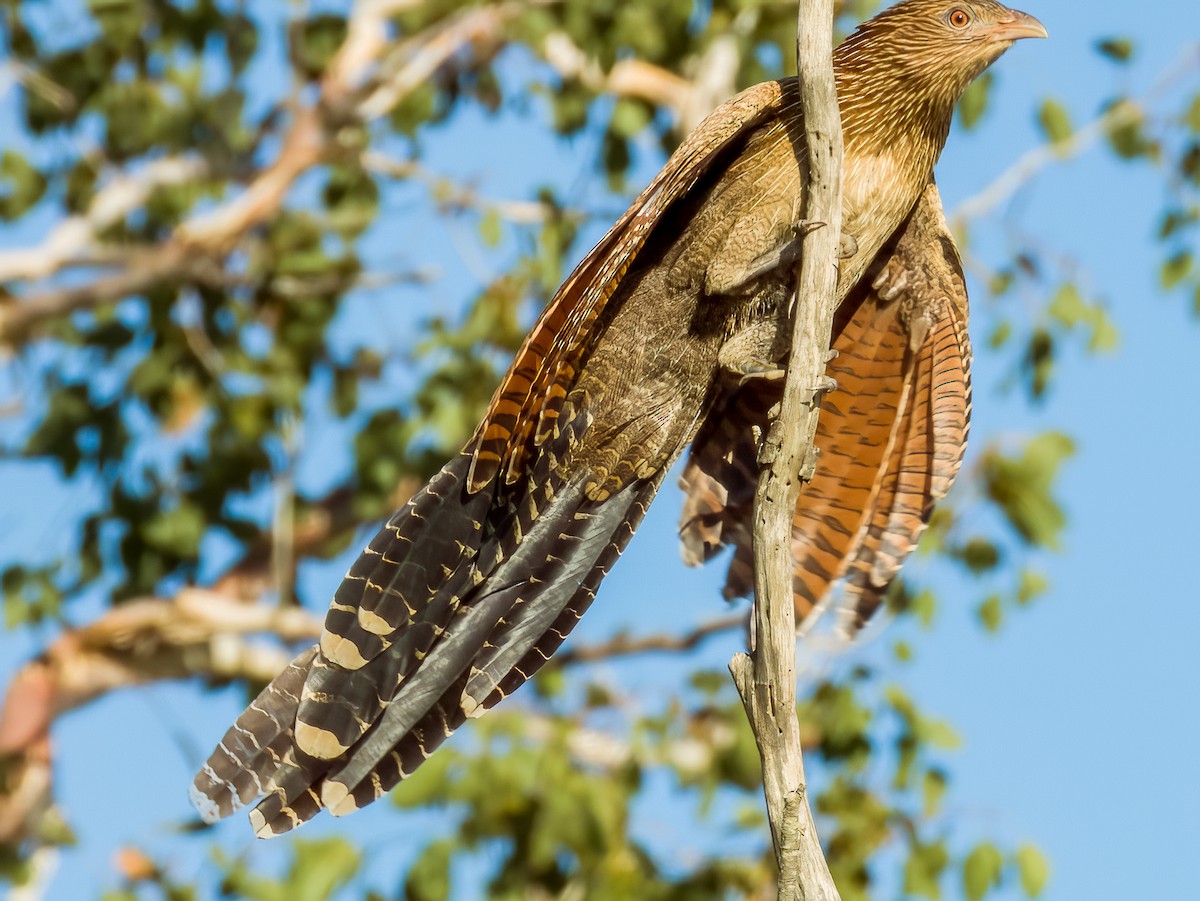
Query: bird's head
[[924, 53]]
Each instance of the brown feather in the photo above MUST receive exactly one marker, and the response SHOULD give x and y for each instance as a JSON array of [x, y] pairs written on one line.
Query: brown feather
[[891, 437]]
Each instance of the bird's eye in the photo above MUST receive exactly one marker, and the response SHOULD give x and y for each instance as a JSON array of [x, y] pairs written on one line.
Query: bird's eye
[[959, 18]]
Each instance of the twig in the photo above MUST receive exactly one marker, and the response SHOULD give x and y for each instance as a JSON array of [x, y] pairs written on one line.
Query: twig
[[627, 78], [112, 203], [766, 678], [623, 645], [453, 196]]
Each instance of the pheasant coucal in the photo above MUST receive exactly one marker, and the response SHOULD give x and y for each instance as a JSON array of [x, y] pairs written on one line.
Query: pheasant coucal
[[658, 337]]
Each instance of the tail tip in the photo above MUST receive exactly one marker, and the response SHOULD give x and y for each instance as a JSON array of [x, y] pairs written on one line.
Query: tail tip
[[337, 799], [210, 812], [258, 822]]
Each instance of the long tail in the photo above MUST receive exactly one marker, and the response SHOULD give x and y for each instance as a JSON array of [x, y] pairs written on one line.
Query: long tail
[[457, 601]]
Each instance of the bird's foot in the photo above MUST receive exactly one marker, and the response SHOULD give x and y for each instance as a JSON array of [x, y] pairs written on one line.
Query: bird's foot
[[756, 370], [847, 243], [808, 469], [825, 384]]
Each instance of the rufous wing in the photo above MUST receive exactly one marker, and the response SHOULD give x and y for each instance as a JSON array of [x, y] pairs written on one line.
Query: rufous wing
[[891, 437], [526, 405]]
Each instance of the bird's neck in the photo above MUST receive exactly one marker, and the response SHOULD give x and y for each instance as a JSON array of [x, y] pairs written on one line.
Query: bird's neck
[[882, 115], [893, 135]]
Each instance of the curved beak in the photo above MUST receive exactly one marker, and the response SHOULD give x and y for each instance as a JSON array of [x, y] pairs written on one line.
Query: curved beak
[[1018, 25]]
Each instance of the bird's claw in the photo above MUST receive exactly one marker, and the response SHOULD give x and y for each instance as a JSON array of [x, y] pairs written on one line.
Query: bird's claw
[[809, 468], [847, 244], [816, 394], [825, 384], [756, 370]]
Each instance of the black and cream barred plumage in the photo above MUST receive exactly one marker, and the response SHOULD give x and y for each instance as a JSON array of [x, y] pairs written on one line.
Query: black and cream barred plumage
[[660, 331]]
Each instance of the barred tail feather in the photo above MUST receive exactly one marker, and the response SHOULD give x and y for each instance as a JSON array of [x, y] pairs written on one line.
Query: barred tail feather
[[477, 590], [243, 763], [498, 640]]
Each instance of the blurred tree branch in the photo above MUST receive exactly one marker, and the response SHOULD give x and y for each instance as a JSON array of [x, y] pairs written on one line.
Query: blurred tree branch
[[346, 94]]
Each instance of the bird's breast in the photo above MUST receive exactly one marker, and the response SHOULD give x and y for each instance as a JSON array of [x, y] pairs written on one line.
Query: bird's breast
[[878, 191]]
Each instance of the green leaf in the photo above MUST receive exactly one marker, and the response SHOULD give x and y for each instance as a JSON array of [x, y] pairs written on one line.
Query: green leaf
[[429, 878], [974, 101], [1000, 335], [939, 734], [1033, 584], [1127, 137], [1034, 870], [120, 20], [933, 789], [177, 531], [315, 41], [550, 682], [21, 185], [241, 41], [981, 871], [991, 613], [321, 868], [980, 555], [924, 607], [709, 682], [1020, 487], [352, 198], [1119, 50], [629, 117], [1039, 361], [1175, 270], [1071, 310], [1105, 336], [1055, 121], [491, 228], [923, 870], [1068, 306], [1175, 220]]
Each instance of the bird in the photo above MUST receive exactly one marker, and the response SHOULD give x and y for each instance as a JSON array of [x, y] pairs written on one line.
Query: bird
[[670, 332]]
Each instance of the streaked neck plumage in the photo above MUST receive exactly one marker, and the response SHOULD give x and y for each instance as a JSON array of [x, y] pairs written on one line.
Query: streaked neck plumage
[[897, 83]]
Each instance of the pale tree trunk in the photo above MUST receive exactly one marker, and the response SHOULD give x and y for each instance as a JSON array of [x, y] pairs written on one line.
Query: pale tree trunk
[[766, 677]]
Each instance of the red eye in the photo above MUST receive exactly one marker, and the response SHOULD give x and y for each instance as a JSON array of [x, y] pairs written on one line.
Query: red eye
[[959, 19]]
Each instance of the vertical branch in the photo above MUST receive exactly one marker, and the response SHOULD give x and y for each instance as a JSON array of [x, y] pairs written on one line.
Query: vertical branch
[[766, 678]]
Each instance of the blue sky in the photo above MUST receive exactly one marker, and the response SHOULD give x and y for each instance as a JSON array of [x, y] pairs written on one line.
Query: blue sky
[[1079, 720]]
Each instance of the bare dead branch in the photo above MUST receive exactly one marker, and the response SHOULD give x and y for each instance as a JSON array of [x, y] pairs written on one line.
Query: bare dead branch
[[76, 235], [766, 678], [627, 78], [198, 632], [625, 645], [144, 269], [415, 61], [455, 196]]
